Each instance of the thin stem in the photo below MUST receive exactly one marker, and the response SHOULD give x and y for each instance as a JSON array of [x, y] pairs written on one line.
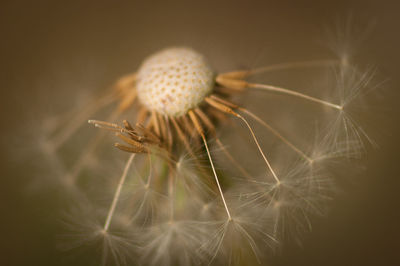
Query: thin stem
[[147, 185], [207, 122], [276, 133], [171, 188], [259, 148], [293, 93], [216, 177], [182, 137], [289, 65], [191, 130], [200, 131], [224, 108], [118, 192], [233, 160], [203, 117]]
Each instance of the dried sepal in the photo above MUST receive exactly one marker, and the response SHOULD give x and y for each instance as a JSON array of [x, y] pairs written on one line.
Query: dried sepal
[[136, 140]]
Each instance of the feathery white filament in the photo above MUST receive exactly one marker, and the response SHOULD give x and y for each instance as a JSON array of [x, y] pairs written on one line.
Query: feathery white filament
[[118, 192], [216, 178]]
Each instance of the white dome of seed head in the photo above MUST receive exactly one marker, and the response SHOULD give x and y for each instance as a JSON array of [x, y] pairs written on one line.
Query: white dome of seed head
[[174, 80]]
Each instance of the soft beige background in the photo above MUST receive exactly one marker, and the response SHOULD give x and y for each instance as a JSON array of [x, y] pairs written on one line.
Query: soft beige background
[[52, 50]]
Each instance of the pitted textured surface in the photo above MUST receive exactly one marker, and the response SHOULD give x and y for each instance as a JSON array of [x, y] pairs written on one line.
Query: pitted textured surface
[[174, 80]]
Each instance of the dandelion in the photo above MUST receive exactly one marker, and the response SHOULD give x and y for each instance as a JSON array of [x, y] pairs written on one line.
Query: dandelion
[[172, 189]]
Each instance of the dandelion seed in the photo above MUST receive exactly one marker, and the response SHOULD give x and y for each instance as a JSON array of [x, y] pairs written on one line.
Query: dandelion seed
[[237, 238], [174, 243], [85, 231]]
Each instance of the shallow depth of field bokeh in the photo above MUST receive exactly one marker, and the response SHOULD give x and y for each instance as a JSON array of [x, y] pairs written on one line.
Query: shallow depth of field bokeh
[[53, 52]]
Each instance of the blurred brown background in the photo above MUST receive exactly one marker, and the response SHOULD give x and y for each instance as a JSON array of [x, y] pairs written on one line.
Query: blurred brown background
[[52, 50]]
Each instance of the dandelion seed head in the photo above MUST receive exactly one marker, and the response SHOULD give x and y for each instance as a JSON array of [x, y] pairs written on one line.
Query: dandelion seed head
[[174, 80], [190, 199]]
